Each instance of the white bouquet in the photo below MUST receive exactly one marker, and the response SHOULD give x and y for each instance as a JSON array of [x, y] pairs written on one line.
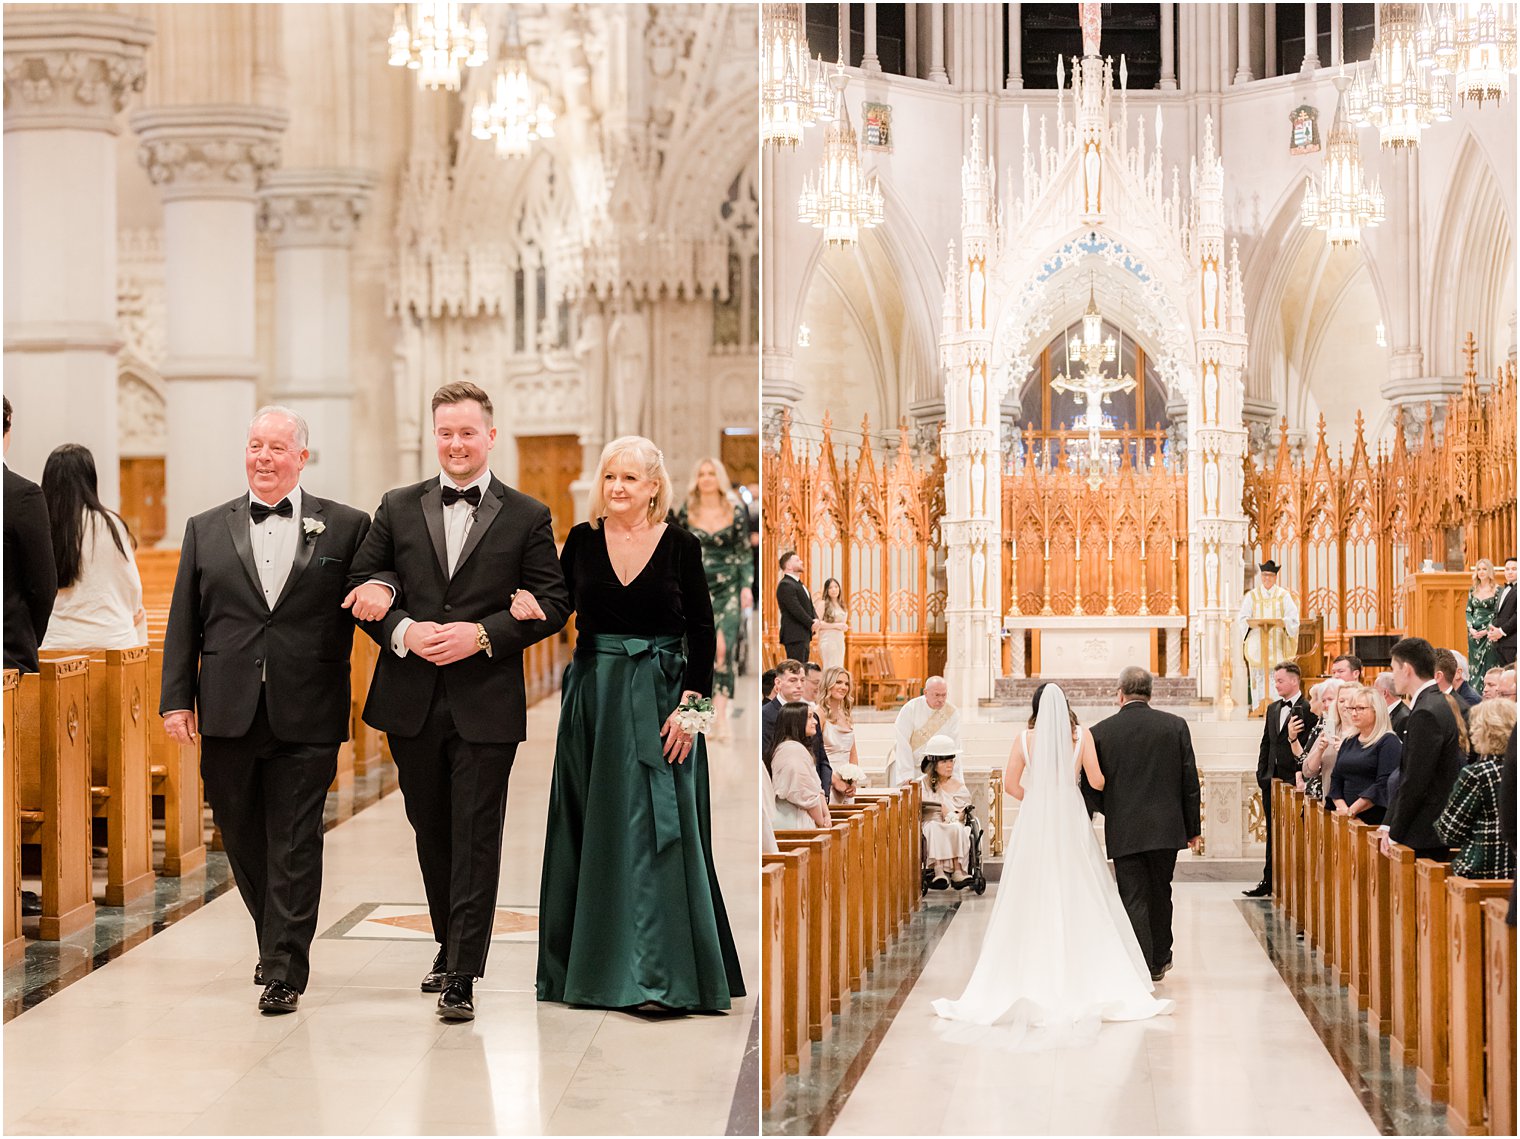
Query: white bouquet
[[851, 773], [694, 715]]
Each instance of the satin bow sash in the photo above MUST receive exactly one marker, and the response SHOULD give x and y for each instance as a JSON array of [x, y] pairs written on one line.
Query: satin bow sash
[[658, 661]]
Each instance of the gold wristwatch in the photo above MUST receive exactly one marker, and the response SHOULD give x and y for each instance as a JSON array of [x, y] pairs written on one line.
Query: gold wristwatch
[[482, 641]]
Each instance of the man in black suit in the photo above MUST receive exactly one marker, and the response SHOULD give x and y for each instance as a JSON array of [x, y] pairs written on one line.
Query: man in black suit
[[791, 678], [256, 660], [1150, 807], [31, 579], [799, 620], [1432, 754], [1398, 711], [1502, 631], [1276, 759], [1451, 679], [448, 687]]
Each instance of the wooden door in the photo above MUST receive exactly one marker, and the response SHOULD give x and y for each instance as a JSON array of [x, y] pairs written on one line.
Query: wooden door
[[740, 453], [546, 466], [142, 499]]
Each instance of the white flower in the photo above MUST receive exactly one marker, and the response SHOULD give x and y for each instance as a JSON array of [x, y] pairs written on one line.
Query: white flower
[[313, 525], [850, 773]]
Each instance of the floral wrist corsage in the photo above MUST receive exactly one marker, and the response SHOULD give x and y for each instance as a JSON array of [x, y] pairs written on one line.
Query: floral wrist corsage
[[694, 715]]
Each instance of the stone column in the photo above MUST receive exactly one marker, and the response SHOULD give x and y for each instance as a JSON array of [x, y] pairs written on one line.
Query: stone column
[[1243, 46], [1269, 38], [1016, 46], [68, 74], [844, 34], [779, 389], [1168, 48], [1337, 35], [869, 60], [310, 216], [1311, 38], [208, 161], [937, 73], [910, 40]]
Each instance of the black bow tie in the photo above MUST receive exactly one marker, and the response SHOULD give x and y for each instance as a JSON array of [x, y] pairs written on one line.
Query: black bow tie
[[259, 511], [452, 494]]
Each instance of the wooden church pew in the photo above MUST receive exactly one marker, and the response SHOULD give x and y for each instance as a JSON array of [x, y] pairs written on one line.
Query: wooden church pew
[[772, 984], [1499, 1017], [1465, 1110], [1432, 1074], [1379, 935], [15, 943], [796, 1047], [821, 932], [1404, 1032], [176, 774]]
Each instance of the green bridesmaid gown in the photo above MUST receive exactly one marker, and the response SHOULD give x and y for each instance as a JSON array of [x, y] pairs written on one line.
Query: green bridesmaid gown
[[630, 910]]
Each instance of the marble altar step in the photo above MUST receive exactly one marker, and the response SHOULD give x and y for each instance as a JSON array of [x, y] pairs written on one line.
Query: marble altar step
[[1018, 690]]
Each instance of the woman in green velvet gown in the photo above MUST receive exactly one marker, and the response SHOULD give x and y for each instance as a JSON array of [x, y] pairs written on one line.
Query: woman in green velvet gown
[[630, 911], [1482, 603]]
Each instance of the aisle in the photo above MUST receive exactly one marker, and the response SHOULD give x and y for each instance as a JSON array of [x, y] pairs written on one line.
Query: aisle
[[167, 1038], [1236, 1057]]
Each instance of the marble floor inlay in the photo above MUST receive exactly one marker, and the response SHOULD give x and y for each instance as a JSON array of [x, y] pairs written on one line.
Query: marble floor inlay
[[162, 1035]]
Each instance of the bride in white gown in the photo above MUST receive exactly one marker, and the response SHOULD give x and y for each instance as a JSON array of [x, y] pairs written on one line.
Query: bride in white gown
[[1059, 956]]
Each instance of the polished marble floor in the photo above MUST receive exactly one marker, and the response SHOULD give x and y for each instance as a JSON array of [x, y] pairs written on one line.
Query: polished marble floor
[[1260, 1043], [164, 1038]]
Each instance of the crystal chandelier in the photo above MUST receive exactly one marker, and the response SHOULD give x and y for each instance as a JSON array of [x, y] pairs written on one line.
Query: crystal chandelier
[[514, 110], [435, 41], [1402, 96], [1474, 43], [1340, 202], [839, 200], [794, 89]]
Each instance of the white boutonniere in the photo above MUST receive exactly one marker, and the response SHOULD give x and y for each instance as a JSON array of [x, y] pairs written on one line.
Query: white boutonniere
[[313, 527], [694, 715]]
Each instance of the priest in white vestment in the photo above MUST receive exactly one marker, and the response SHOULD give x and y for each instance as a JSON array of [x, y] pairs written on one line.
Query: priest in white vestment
[[1268, 599], [918, 722]]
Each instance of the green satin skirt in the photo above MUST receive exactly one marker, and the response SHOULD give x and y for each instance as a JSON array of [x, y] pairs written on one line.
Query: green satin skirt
[[629, 908]]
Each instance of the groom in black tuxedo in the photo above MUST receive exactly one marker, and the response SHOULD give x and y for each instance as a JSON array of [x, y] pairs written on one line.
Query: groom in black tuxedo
[[1150, 807], [1276, 760], [448, 687], [1503, 629], [799, 620], [256, 660]]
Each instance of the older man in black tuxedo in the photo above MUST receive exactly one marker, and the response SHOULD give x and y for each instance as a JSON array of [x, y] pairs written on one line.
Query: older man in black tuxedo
[[1276, 760], [31, 579], [256, 658], [1432, 754], [1150, 805], [448, 688]]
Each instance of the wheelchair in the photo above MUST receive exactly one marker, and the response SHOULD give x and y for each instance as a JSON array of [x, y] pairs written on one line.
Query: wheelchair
[[975, 873]]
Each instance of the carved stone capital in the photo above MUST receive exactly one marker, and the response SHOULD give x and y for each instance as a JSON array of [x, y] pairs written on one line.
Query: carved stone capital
[[72, 70], [217, 151], [313, 209]]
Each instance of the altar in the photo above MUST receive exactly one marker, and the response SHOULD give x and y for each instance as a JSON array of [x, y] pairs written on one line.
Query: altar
[[1094, 647]]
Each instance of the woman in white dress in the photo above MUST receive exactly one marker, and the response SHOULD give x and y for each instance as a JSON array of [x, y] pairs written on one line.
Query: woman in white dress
[[99, 603], [798, 801], [947, 840], [834, 623], [836, 705], [1059, 956]]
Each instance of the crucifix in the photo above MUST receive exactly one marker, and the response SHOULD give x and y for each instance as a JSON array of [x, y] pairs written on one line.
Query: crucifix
[[1092, 351]]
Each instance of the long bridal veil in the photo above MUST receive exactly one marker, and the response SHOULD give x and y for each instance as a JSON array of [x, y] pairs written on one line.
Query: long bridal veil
[[1059, 954]]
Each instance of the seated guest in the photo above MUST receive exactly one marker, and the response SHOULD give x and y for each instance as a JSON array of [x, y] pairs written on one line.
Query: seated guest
[[1451, 679], [1368, 756], [1462, 687], [1472, 819], [1434, 743], [812, 682], [947, 840], [768, 684], [99, 603], [1500, 685], [798, 801], [1347, 669], [1398, 711]]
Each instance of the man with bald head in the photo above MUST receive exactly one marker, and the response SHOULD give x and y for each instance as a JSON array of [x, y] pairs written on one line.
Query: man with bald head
[[918, 722], [256, 663]]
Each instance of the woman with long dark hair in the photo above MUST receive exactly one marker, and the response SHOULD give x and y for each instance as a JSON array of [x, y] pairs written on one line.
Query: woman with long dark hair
[[800, 803], [99, 604]]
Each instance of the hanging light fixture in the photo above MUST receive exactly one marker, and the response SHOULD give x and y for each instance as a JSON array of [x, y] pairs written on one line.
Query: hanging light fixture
[[1398, 95], [794, 88], [1096, 455], [1473, 43], [436, 40], [1341, 203], [514, 110], [838, 199]]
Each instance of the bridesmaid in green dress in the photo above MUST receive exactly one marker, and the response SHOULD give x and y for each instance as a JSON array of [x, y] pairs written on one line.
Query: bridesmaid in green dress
[[713, 512], [1481, 604], [630, 912]]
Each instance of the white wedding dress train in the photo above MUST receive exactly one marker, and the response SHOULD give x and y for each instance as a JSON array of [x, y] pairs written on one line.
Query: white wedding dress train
[[1059, 955]]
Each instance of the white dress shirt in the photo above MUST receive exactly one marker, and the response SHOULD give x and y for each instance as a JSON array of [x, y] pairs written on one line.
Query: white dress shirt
[[457, 520], [274, 544]]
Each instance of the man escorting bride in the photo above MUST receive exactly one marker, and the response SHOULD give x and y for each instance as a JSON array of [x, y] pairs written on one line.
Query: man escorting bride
[[1061, 953]]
